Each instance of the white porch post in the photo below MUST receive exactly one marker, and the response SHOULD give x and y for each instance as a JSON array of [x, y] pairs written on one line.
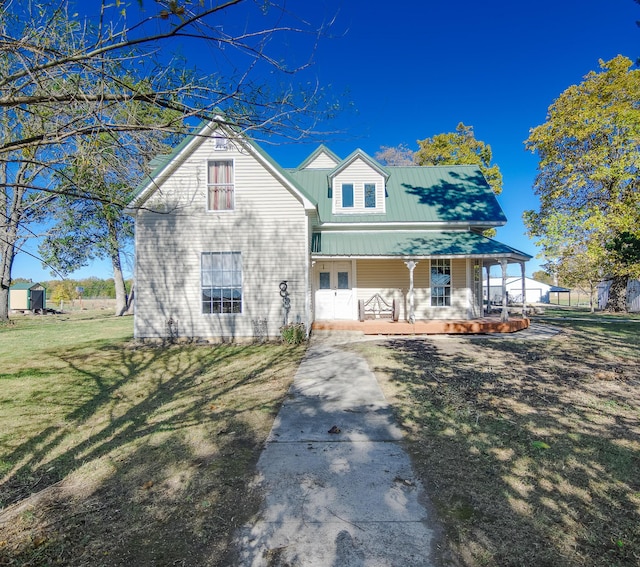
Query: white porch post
[[488, 305], [412, 266], [504, 316], [524, 291]]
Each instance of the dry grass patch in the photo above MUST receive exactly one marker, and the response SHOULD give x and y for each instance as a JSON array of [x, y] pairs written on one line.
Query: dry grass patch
[[116, 454], [530, 450]]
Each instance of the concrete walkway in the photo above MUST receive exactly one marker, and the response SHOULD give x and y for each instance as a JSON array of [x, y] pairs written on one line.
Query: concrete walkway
[[342, 499]]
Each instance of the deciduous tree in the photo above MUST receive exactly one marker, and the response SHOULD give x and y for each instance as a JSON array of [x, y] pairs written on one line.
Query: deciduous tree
[[460, 148], [395, 155], [62, 74], [587, 182]]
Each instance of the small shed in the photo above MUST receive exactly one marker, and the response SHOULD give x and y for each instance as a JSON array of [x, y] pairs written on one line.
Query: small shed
[[27, 297]]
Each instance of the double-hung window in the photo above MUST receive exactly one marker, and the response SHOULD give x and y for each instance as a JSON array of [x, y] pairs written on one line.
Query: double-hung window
[[220, 195], [370, 195], [221, 282], [441, 283], [347, 195]]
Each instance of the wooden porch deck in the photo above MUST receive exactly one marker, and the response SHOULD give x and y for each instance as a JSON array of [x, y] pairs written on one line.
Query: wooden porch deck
[[426, 327]]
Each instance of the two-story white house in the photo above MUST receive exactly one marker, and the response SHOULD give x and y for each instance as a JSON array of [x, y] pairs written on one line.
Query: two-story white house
[[230, 245]]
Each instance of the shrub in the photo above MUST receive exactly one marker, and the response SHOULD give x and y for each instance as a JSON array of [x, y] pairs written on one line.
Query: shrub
[[293, 334]]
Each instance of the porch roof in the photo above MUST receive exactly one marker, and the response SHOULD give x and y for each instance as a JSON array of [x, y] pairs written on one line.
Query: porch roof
[[411, 244]]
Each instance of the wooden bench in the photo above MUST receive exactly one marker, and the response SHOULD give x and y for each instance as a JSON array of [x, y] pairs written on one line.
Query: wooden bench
[[377, 308]]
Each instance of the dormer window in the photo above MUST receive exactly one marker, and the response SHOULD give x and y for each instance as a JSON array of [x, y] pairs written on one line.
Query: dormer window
[[220, 144], [370, 195], [347, 195]]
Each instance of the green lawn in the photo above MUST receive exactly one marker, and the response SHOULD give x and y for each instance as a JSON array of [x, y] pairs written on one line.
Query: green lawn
[[115, 453], [530, 450]]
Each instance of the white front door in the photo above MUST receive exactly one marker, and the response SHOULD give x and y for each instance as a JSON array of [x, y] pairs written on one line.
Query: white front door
[[334, 293]]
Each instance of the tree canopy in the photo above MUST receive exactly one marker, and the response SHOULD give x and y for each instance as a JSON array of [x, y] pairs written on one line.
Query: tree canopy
[[460, 148], [588, 182], [74, 84]]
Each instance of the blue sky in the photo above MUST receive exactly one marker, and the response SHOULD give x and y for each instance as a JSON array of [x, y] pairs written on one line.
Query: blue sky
[[417, 68]]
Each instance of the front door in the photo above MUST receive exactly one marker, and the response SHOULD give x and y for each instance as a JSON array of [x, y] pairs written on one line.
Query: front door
[[334, 294]]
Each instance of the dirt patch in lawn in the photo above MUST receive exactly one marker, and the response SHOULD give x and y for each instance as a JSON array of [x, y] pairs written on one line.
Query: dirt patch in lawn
[[530, 450]]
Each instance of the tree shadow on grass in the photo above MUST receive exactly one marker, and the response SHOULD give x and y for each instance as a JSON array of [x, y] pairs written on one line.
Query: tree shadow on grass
[[530, 450], [151, 461]]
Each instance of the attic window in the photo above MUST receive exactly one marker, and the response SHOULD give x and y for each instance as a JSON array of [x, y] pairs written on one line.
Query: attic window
[[370, 195], [220, 144], [347, 195]]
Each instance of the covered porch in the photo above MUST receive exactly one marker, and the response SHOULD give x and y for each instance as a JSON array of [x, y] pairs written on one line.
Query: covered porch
[[483, 325], [430, 280]]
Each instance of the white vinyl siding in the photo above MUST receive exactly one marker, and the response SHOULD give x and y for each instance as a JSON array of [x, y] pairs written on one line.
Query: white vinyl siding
[[269, 227], [390, 278], [359, 173], [321, 161]]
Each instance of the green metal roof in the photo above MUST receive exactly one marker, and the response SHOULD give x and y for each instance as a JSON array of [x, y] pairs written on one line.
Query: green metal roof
[[24, 285], [435, 194], [409, 244]]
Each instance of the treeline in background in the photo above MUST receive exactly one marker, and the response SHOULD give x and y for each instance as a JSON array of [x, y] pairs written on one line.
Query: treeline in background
[[70, 290]]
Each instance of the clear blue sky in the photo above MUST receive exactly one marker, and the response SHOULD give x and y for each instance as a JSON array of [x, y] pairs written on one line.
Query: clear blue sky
[[417, 68]]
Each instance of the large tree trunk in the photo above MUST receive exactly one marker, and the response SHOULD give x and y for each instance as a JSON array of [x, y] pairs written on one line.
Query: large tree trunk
[[9, 219], [7, 253], [617, 302], [122, 303]]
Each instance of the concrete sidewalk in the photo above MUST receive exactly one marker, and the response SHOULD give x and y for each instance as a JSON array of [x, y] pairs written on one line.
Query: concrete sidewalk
[[340, 499]]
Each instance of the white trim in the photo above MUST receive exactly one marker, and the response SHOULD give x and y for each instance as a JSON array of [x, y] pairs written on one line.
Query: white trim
[[464, 226]]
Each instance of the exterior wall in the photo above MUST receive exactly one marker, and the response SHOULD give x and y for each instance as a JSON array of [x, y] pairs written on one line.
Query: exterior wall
[[358, 173], [460, 305], [19, 299], [268, 226], [322, 161], [390, 278]]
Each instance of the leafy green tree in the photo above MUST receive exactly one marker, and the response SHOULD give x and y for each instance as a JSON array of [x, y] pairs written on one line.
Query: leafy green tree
[[543, 277], [460, 148], [89, 213], [63, 76], [587, 182]]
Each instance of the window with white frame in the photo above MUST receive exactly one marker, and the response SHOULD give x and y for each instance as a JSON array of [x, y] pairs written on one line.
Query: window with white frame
[[347, 195], [370, 195], [220, 144], [221, 282], [441, 282], [220, 187]]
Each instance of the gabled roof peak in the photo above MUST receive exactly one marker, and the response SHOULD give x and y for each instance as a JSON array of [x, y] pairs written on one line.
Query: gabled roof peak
[[364, 156], [317, 156]]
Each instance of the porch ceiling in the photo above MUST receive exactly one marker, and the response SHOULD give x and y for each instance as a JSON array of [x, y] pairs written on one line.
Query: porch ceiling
[[411, 244]]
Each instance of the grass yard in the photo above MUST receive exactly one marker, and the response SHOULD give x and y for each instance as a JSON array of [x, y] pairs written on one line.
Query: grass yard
[[530, 450], [113, 453]]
